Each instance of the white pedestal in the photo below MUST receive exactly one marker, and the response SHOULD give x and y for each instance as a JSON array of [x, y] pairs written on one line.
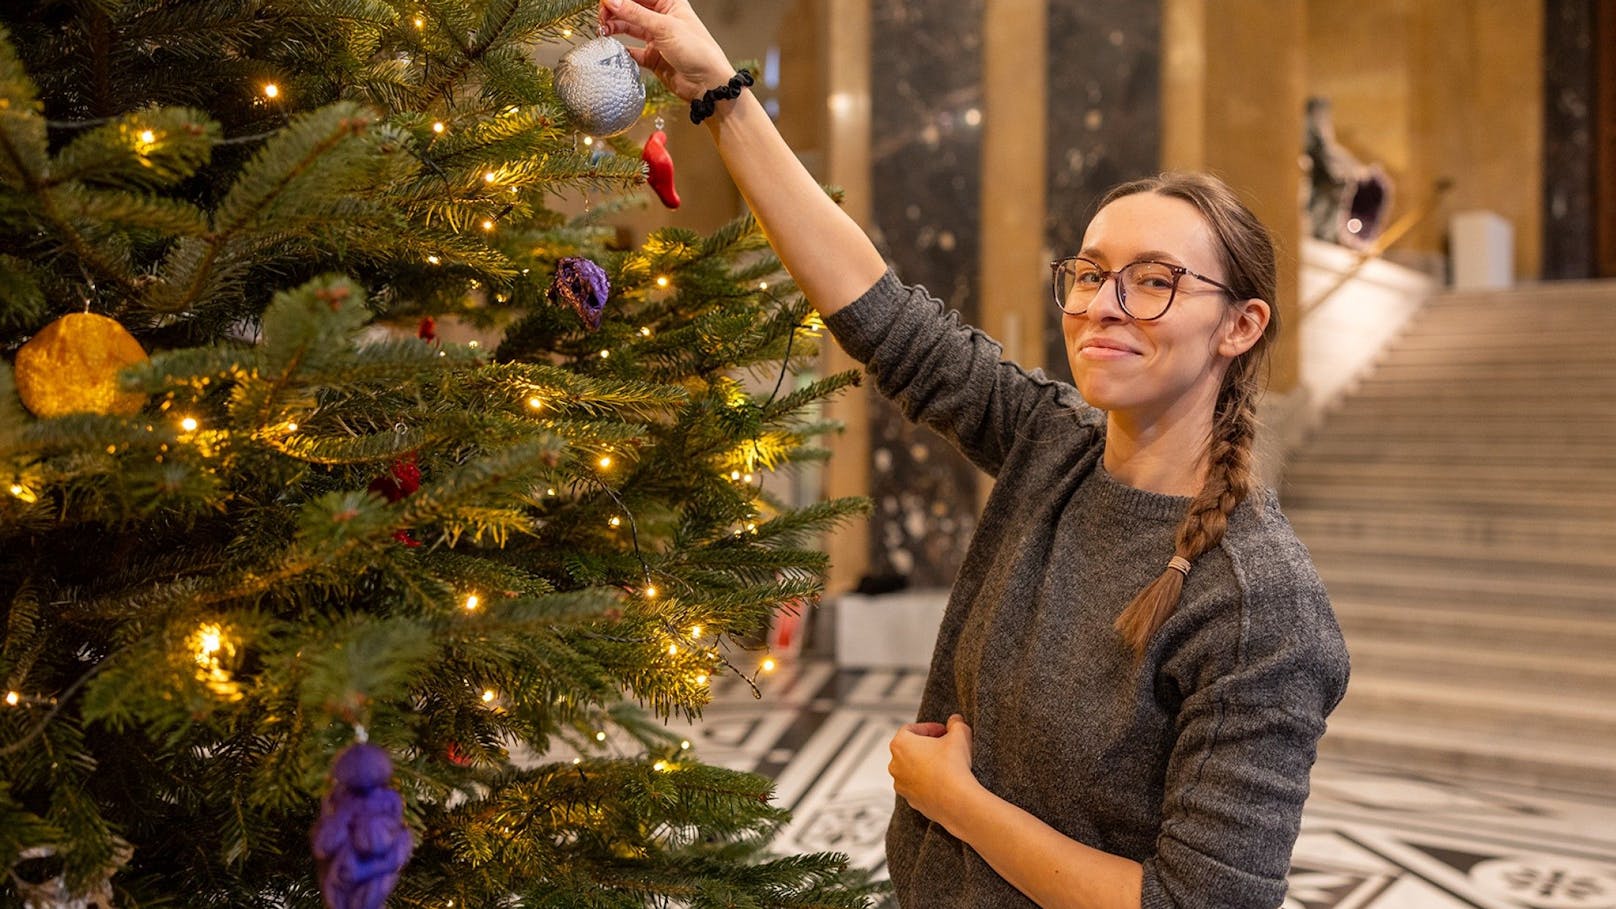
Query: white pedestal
[[890, 631], [1483, 250]]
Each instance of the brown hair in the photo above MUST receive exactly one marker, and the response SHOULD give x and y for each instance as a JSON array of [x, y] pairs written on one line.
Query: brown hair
[[1247, 250]]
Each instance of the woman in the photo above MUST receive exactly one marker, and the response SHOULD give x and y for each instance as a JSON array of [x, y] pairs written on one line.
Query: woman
[[1137, 658]]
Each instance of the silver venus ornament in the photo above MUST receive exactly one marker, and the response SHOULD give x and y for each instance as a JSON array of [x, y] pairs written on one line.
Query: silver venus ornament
[[599, 84]]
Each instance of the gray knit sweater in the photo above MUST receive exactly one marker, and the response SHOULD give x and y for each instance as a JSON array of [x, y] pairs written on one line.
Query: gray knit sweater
[[1194, 763]]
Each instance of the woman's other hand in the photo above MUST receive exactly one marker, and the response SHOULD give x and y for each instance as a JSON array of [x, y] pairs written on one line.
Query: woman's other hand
[[931, 766], [678, 47]]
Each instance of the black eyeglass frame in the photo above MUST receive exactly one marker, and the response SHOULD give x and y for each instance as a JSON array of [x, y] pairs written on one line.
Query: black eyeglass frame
[[1115, 277]]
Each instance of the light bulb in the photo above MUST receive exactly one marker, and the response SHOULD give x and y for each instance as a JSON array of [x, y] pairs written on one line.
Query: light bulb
[[650, 593], [148, 137], [662, 281], [487, 224], [615, 521], [271, 90], [433, 259], [600, 736], [769, 664], [291, 427], [701, 678], [673, 650], [488, 695], [566, 33], [605, 353], [589, 140], [13, 698], [695, 631], [763, 285], [488, 177], [684, 745], [660, 766], [646, 331], [735, 475], [189, 424], [438, 127], [16, 490], [419, 22], [550, 492], [605, 461], [472, 602], [535, 402]]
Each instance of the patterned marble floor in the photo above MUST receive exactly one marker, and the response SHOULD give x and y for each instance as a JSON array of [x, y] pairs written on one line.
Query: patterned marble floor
[[1372, 837]]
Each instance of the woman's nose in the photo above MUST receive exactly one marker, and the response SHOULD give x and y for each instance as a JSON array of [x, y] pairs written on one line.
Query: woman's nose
[[1107, 302]]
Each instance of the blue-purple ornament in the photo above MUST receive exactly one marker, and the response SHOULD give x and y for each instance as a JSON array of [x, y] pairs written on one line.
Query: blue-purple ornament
[[360, 841], [581, 284]]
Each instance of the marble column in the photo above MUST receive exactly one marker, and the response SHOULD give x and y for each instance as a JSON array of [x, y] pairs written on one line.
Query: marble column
[[1568, 142], [1104, 120], [925, 99]]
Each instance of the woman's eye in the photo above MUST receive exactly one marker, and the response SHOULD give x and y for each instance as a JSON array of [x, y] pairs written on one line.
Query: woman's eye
[[1089, 279]]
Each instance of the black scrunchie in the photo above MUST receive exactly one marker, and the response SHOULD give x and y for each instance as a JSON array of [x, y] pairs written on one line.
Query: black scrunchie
[[703, 107]]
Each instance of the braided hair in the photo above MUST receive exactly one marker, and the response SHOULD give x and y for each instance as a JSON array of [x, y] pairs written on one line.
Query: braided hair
[[1247, 250]]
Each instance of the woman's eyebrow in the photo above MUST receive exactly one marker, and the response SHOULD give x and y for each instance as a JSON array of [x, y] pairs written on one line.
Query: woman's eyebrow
[[1089, 252]]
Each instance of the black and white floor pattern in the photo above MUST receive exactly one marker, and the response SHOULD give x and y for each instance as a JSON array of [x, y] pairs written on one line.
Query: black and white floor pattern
[[1372, 838]]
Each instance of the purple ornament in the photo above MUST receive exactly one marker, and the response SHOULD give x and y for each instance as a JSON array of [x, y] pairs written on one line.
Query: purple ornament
[[360, 841], [581, 284]]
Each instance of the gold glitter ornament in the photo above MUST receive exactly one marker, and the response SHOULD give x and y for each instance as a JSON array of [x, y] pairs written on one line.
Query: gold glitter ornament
[[72, 364]]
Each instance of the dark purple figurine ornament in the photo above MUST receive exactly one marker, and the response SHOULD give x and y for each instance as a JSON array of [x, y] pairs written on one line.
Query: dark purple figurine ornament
[[581, 284], [360, 841]]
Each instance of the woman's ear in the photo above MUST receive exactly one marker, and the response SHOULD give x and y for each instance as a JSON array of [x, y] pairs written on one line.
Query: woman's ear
[[1246, 323]]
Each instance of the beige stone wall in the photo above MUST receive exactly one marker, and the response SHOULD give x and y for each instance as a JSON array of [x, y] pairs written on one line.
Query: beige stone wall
[[1438, 89]]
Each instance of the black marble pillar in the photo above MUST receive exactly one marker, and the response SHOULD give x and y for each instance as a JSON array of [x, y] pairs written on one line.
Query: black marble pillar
[[1568, 140], [1104, 128], [926, 113]]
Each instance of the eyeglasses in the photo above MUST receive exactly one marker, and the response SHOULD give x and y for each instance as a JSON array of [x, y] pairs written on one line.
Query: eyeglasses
[[1145, 289]]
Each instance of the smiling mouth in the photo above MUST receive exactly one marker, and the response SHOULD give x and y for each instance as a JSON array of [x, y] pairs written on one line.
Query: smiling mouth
[[1102, 349]]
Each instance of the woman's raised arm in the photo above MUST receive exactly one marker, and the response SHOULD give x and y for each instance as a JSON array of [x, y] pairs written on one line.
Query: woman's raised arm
[[825, 250]]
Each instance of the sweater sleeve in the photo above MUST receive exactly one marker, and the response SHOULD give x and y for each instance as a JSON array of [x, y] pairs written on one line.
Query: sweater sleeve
[[1238, 772], [940, 372]]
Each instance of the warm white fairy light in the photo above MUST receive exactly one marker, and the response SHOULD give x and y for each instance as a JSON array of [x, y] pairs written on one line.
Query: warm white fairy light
[[646, 331], [566, 33], [605, 461], [605, 354], [271, 90], [695, 631], [751, 527], [600, 736], [13, 698], [535, 402], [473, 344], [660, 766], [550, 492], [684, 745], [769, 664], [438, 127], [615, 521], [650, 593], [746, 478], [147, 136], [701, 678], [291, 427], [735, 475], [189, 424], [763, 285], [673, 650], [433, 260], [488, 695], [488, 224], [589, 140], [662, 281], [419, 22], [472, 602]]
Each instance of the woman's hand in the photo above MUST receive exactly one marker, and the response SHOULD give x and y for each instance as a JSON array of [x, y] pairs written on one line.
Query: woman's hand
[[678, 48], [931, 766]]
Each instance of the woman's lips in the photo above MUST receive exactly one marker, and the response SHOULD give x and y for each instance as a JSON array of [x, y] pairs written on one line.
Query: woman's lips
[[1097, 349]]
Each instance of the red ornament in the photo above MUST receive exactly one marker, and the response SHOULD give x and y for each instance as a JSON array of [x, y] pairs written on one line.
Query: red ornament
[[405, 478], [660, 165], [428, 331]]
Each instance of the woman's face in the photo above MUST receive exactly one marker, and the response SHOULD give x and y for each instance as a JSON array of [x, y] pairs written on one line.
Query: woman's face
[[1145, 371]]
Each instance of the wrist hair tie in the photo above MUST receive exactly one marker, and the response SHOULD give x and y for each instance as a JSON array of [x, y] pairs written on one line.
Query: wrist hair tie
[[1180, 565], [703, 107]]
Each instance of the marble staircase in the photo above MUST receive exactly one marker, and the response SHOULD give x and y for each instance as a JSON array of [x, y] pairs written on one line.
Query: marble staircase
[[1460, 504]]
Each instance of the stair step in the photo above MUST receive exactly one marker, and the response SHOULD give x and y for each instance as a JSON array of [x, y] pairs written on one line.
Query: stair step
[[1579, 636], [1502, 398], [1514, 452], [1585, 565], [1492, 709], [1530, 594], [1485, 477], [1500, 500], [1466, 526], [1581, 768], [1542, 674]]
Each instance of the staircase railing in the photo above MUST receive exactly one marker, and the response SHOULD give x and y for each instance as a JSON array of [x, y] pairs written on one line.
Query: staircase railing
[[1394, 232]]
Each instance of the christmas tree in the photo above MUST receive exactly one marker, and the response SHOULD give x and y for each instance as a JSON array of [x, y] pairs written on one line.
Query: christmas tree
[[254, 510]]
